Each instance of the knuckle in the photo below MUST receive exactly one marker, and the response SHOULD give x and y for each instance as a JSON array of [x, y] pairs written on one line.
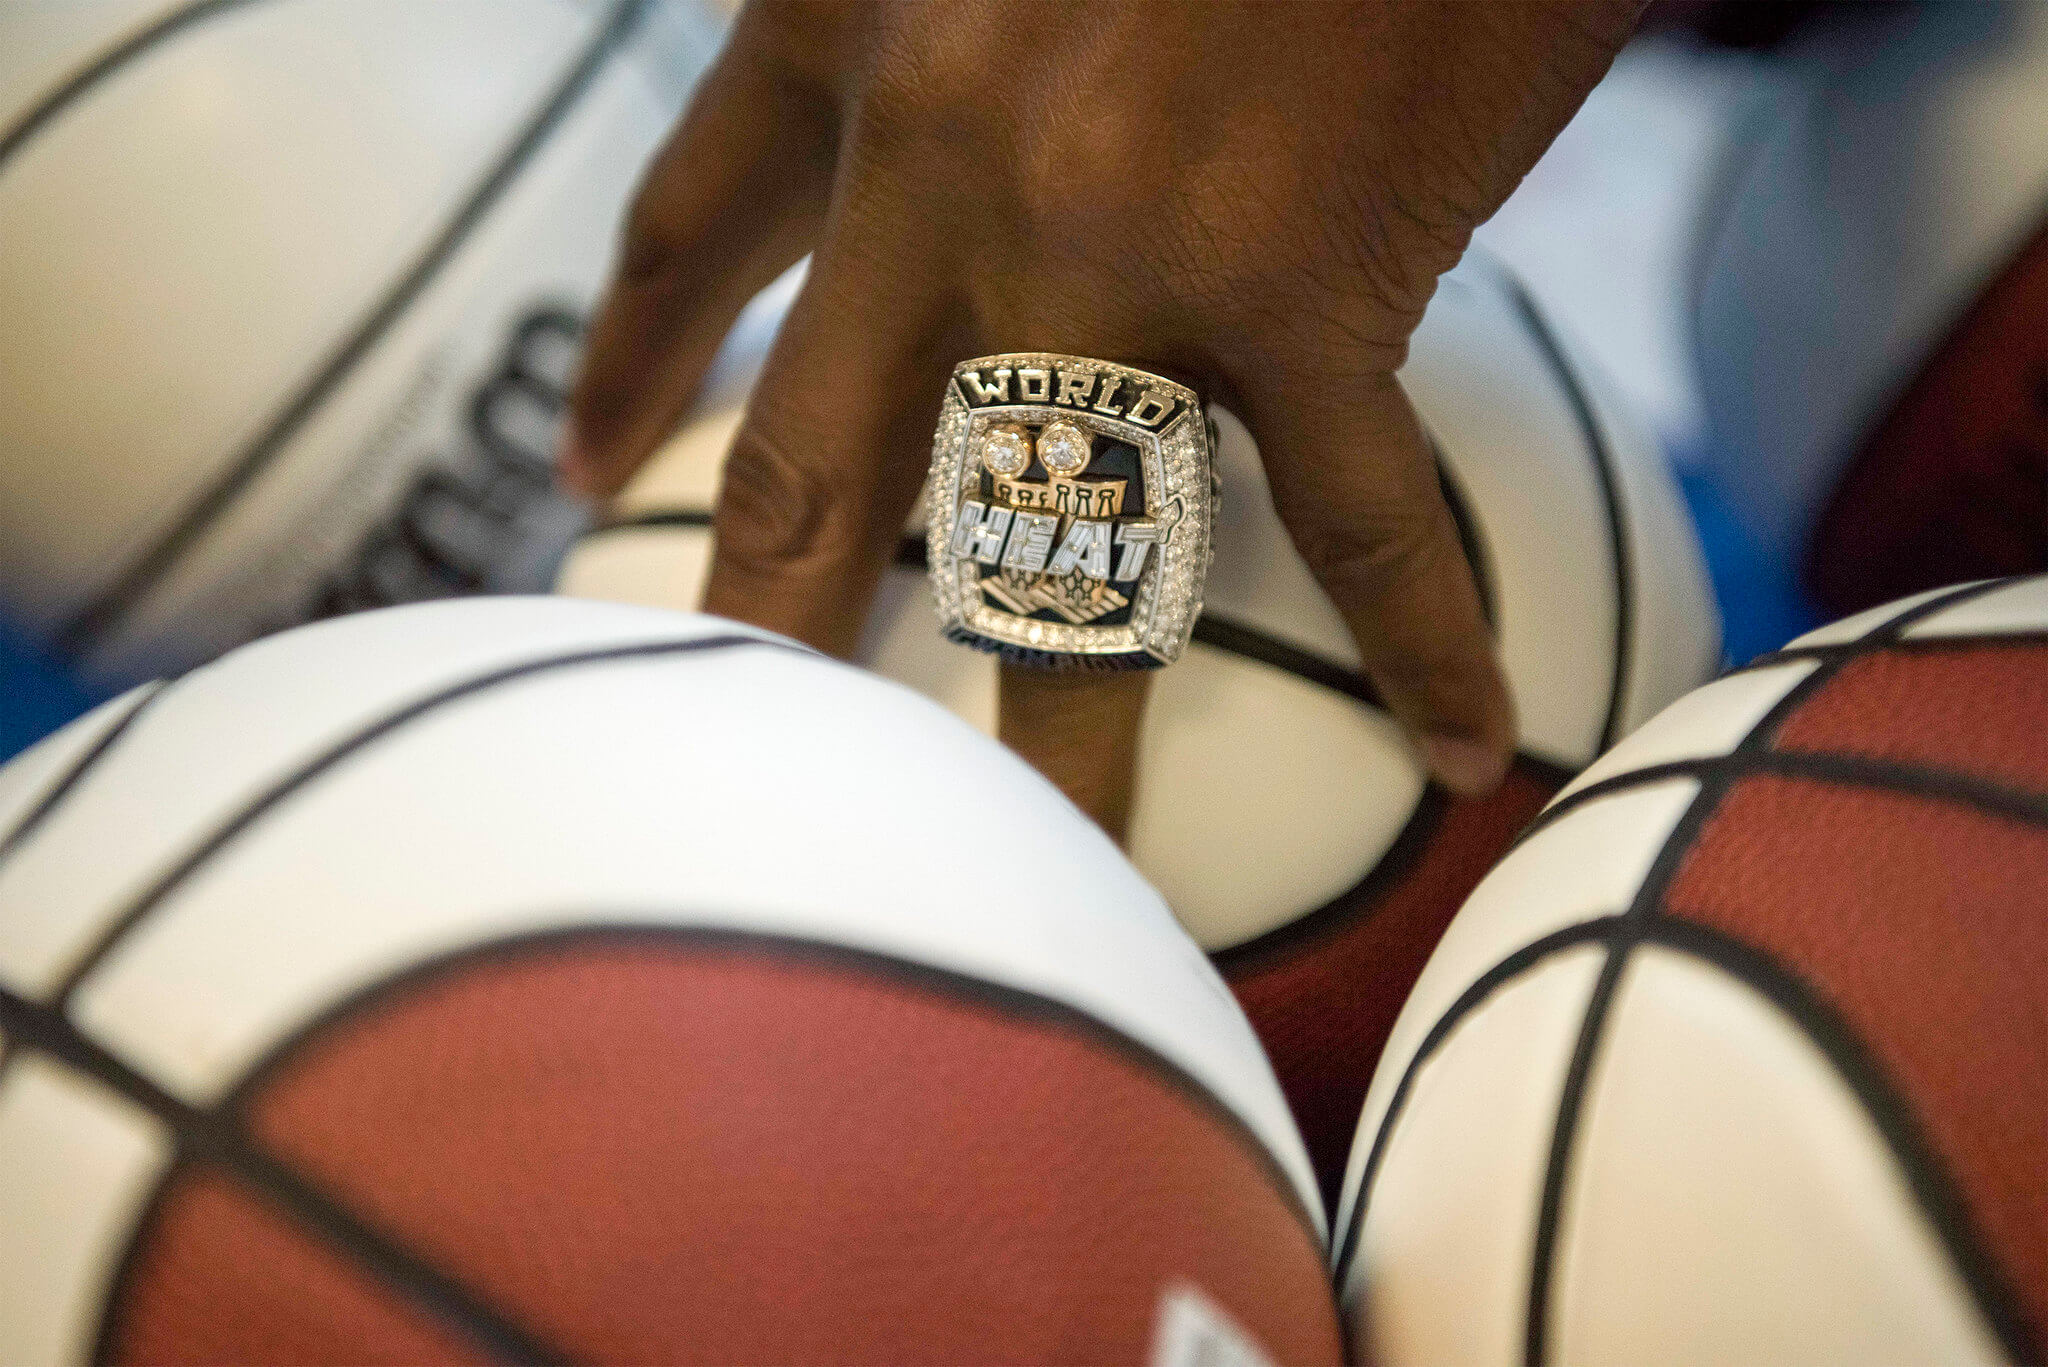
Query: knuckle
[[1391, 245], [1322, 336], [1378, 557], [776, 515]]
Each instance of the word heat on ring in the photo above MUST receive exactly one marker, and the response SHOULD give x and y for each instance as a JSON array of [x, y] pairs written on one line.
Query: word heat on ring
[[1071, 505]]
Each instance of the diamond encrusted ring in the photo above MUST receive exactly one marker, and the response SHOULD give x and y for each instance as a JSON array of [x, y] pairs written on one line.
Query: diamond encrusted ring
[[1071, 506]]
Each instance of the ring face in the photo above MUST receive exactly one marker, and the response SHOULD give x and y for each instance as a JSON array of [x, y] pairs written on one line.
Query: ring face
[[1071, 502]]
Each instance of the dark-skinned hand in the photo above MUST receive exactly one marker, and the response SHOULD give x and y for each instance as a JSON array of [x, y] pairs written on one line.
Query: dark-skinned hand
[[1256, 198]]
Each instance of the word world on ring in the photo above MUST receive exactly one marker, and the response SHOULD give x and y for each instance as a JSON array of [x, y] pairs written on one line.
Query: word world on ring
[[1071, 503]]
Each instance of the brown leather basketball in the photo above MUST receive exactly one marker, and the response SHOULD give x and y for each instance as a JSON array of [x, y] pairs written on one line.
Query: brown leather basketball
[[1741, 1054], [669, 1146], [532, 980]]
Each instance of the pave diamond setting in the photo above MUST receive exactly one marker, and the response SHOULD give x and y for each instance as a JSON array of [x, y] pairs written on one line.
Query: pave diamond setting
[[1101, 563]]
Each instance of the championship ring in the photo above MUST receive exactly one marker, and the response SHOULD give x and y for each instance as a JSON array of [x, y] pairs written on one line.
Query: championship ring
[[1071, 505]]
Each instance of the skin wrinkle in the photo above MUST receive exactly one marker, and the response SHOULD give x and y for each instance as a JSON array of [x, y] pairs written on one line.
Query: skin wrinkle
[[772, 511]]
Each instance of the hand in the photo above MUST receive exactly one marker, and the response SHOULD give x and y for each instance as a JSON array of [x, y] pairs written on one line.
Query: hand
[[1255, 197]]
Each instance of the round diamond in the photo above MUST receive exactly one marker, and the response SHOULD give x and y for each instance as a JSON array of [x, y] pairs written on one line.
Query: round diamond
[[1064, 448], [1006, 450]]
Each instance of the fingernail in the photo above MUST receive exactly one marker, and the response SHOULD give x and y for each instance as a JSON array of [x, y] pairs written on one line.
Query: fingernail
[[1464, 766]]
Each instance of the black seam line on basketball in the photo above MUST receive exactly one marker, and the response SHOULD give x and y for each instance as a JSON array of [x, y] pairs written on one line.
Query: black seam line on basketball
[[1906, 645], [1361, 900], [1400, 858], [1016, 1003], [1926, 1174], [1235, 638], [1211, 628], [1602, 459], [203, 1135], [133, 584], [1476, 993], [80, 82], [1890, 633], [311, 769], [1571, 1097], [64, 786], [1644, 777], [1468, 531], [655, 519], [1885, 635], [1893, 628], [1585, 1051], [1859, 771]]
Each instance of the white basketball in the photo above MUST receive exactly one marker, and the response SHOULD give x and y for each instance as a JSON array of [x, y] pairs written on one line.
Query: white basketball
[[1272, 790], [198, 879], [292, 290]]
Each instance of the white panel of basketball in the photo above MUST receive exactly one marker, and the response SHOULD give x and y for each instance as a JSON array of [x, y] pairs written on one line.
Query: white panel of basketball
[[167, 784], [1730, 1193], [1587, 864], [1478, 1122], [1515, 448], [46, 43], [897, 643], [76, 1164], [1672, 645], [1258, 578], [2018, 607], [1321, 787], [1858, 625]]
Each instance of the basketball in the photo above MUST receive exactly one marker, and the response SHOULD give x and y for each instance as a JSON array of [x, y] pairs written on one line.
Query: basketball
[[1738, 1055], [531, 979], [307, 284], [1871, 286], [1278, 808]]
